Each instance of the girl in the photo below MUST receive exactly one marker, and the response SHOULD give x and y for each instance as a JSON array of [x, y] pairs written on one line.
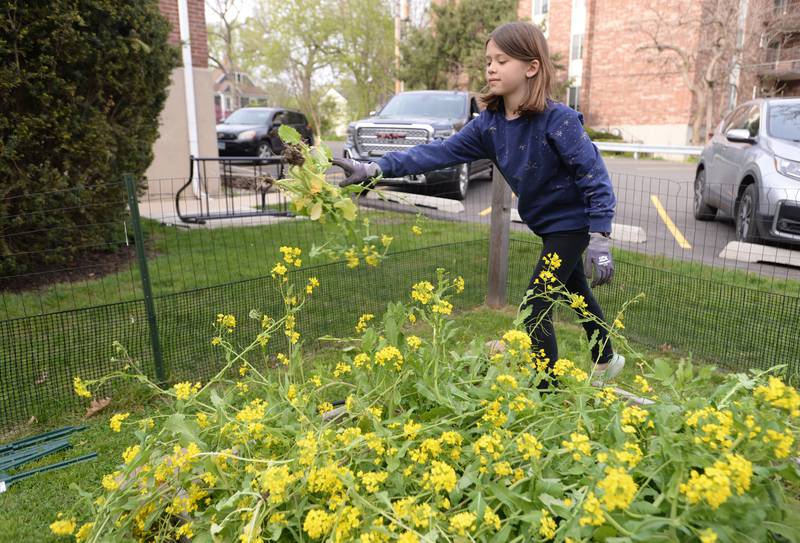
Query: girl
[[540, 146]]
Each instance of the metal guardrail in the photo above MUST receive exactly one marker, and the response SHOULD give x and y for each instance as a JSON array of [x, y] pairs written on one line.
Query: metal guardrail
[[637, 148]]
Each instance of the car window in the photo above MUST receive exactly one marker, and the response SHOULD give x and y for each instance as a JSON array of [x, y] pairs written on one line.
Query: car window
[[752, 121], [442, 105], [784, 121], [281, 117], [248, 116], [738, 119], [297, 118]]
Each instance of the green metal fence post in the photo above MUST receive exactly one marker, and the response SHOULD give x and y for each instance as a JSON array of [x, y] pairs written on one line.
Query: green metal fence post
[[152, 322]]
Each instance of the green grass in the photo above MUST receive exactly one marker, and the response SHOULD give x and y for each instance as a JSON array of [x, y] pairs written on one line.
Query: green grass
[[30, 505], [730, 317]]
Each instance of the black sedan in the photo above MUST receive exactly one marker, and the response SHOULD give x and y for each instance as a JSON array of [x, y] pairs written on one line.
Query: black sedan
[[252, 131]]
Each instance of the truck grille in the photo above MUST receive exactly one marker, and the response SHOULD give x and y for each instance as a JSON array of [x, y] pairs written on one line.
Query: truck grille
[[375, 141]]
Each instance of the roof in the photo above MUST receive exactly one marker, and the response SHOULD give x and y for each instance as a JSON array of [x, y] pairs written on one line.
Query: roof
[[246, 88]]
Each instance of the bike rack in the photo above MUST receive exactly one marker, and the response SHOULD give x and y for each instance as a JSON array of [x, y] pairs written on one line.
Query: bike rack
[[232, 202]]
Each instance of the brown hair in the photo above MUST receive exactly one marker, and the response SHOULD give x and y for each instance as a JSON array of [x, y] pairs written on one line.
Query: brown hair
[[525, 42]]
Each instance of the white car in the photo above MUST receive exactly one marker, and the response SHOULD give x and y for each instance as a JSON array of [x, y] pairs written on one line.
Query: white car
[[750, 170]]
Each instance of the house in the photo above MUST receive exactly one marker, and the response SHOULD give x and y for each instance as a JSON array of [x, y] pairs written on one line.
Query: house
[[234, 90], [187, 123], [335, 106]]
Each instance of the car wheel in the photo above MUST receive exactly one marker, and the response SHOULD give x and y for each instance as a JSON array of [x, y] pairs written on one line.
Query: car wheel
[[702, 211], [746, 228], [264, 150], [457, 189]]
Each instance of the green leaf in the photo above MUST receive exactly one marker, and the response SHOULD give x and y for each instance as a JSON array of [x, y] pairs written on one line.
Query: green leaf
[[315, 211], [288, 134], [348, 209]]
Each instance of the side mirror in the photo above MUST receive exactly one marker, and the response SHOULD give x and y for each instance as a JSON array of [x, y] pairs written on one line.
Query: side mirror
[[739, 135], [371, 113]]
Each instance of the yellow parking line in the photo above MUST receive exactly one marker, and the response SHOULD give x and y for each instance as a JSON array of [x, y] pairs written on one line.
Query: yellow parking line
[[485, 212], [669, 224]]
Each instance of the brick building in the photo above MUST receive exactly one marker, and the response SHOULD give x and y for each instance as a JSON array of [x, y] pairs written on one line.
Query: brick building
[[187, 123], [625, 87]]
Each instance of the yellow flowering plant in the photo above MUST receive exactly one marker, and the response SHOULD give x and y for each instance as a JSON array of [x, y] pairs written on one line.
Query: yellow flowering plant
[[434, 439], [313, 196]]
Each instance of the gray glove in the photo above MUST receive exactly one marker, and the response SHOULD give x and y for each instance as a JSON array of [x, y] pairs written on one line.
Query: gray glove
[[357, 172], [598, 263]]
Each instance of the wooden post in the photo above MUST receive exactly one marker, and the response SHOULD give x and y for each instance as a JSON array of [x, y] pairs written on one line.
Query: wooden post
[[498, 241]]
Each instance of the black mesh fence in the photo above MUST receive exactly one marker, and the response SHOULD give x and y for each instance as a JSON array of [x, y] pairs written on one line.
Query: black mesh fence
[[211, 251]]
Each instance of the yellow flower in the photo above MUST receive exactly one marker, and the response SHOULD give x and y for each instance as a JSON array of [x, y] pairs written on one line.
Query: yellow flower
[[83, 532], [184, 390], [594, 514], [291, 255], [507, 381], [313, 283], [63, 527], [362, 322], [413, 342], [577, 302], [352, 258], [708, 536], [491, 518], [216, 340], [529, 446], [279, 272], [407, 537], [341, 369], [389, 354], [632, 416], [116, 421], [779, 395], [458, 282], [631, 454], [618, 324], [441, 476], [547, 525], [783, 442], [372, 480], [110, 481], [386, 240], [410, 429], [412, 318], [578, 443], [361, 360], [317, 523], [552, 260], [80, 387], [443, 307], [422, 292], [618, 489], [226, 321], [644, 386], [130, 453], [462, 523], [416, 230]]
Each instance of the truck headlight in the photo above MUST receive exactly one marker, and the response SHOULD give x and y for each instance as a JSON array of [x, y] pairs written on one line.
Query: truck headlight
[[351, 134], [442, 134], [247, 135], [789, 168]]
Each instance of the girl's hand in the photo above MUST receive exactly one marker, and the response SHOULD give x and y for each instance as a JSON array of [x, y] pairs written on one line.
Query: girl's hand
[[598, 264]]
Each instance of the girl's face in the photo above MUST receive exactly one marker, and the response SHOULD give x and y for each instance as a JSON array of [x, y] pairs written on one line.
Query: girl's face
[[504, 74]]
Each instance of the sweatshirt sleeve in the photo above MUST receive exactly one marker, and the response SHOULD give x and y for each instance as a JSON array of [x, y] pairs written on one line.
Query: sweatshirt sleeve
[[565, 131], [466, 145]]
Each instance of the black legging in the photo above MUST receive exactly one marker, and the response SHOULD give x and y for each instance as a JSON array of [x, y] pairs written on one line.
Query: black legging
[[569, 246]]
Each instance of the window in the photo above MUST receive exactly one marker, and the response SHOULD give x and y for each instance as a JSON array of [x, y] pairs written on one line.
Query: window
[[297, 118], [244, 101], [573, 98], [784, 121], [540, 7], [753, 120], [577, 47], [281, 117], [736, 119]]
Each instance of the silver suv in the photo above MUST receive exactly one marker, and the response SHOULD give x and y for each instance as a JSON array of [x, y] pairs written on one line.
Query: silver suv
[[750, 170]]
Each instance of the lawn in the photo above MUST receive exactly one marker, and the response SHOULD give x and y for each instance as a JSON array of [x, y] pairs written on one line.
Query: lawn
[[52, 334]]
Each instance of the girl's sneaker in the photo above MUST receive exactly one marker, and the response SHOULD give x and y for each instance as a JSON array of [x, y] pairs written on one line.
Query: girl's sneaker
[[612, 369]]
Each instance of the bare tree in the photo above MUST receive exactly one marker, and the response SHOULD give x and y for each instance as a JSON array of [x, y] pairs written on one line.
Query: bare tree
[[703, 44], [223, 40]]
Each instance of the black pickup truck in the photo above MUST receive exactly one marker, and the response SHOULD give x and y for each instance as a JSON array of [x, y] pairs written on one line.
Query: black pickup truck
[[415, 117]]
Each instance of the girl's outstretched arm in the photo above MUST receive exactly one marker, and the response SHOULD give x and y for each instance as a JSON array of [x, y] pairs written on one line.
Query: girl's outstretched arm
[[565, 131], [466, 145]]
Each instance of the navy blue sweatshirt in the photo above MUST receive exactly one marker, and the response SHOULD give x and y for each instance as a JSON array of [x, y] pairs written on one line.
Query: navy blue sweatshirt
[[548, 159]]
